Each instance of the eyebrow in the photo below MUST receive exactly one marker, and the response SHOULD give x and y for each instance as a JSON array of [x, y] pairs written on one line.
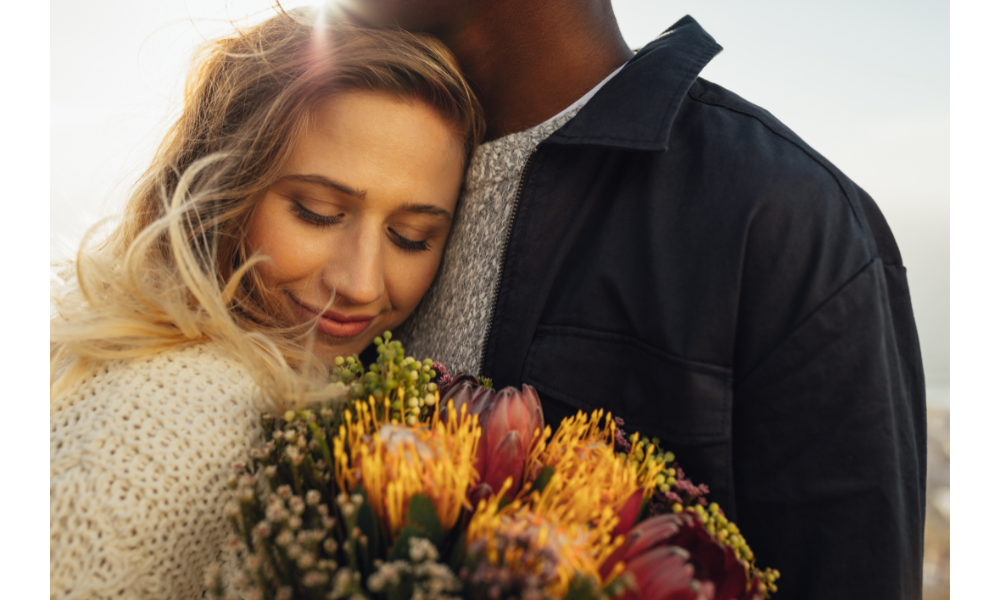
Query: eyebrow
[[320, 180], [428, 209]]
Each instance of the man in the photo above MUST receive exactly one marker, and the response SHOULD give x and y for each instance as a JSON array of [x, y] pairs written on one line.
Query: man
[[635, 238]]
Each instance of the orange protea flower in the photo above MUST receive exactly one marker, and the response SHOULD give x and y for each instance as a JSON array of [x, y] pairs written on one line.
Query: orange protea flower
[[577, 519], [542, 545], [394, 462], [590, 483]]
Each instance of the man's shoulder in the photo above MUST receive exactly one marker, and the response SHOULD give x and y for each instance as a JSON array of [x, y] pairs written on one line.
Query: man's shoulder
[[731, 123], [764, 163]]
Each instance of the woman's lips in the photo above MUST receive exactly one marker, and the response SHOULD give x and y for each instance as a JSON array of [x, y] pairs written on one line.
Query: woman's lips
[[332, 322]]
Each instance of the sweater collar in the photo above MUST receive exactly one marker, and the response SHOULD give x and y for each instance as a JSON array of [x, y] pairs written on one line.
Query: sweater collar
[[636, 109]]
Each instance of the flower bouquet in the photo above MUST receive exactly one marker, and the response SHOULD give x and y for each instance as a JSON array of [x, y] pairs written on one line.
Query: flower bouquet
[[426, 486]]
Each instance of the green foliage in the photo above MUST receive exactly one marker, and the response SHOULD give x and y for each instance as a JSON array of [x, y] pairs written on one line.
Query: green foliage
[[587, 588], [544, 476], [406, 382], [421, 522], [371, 533], [458, 552]]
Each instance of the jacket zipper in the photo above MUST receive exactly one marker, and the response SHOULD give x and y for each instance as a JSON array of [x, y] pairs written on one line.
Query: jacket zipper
[[503, 262]]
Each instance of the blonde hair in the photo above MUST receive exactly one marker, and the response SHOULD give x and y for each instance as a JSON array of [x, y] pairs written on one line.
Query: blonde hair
[[177, 271]]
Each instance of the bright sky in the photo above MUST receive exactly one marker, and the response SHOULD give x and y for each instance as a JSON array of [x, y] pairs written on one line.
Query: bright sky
[[865, 83]]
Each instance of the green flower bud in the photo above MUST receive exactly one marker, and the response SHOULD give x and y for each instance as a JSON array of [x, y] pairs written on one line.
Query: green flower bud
[[669, 458], [339, 361], [378, 340]]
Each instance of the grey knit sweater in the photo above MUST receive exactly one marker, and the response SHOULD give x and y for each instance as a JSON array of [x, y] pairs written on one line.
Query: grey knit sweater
[[452, 321]]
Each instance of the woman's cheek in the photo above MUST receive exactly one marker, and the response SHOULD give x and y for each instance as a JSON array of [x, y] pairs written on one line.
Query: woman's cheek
[[281, 237], [413, 281]]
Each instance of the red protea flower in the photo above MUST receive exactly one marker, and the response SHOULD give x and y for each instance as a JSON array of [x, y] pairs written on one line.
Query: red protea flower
[[508, 419], [628, 513], [673, 557]]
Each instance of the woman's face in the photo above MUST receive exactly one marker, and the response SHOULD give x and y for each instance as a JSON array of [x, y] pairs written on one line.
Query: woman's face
[[360, 215]]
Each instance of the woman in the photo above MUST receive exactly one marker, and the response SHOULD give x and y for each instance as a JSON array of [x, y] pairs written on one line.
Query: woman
[[298, 208]]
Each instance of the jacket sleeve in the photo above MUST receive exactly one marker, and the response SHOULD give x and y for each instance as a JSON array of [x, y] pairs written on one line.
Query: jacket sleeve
[[829, 429]]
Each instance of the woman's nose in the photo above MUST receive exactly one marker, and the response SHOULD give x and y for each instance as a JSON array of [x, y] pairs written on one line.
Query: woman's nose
[[355, 274]]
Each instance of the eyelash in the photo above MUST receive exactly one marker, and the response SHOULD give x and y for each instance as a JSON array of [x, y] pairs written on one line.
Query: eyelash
[[406, 245], [310, 217]]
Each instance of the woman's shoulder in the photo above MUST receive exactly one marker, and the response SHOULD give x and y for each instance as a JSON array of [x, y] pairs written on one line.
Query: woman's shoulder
[[194, 372], [198, 394]]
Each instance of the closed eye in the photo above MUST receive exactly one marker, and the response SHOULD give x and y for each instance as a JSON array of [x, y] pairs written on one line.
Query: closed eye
[[310, 217], [407, 245]]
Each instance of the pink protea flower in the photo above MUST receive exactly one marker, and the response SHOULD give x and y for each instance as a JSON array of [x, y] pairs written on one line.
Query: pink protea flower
[[673, 557], [509, 419]]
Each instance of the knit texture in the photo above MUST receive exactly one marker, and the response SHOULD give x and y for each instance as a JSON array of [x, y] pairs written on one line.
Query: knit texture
[[453, 319], [140, 453]]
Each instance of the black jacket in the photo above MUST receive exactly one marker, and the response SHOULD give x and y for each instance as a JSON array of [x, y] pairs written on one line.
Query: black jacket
[[680, 257]]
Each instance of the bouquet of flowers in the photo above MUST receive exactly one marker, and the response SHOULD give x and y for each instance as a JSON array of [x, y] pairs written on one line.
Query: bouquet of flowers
[[427, 486]]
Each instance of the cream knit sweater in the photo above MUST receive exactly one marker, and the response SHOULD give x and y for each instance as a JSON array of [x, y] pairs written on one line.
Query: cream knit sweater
[[140, 454]]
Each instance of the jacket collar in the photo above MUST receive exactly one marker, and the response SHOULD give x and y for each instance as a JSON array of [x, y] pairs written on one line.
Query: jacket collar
[[636, 109]]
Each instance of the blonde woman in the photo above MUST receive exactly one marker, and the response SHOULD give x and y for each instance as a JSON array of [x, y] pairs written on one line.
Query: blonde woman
[[297, 208]]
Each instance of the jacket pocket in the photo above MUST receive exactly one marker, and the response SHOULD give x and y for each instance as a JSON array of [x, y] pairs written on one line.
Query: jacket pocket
[[680, 401]]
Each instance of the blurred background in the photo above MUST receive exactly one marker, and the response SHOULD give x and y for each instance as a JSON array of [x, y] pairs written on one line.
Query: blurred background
[[865, 83]]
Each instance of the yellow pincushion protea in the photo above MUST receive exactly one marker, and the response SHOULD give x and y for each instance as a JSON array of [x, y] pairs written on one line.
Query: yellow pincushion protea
[[576, 549], [590, 483], [576, 515], [394, 462]]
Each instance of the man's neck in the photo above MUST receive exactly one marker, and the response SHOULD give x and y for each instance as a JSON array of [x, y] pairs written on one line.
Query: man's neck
[[527, 61]]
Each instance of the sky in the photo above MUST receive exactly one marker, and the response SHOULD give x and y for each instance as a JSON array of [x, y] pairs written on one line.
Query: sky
[[864, 83]]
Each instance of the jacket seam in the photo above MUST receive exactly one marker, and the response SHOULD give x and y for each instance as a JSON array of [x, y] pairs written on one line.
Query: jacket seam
[[795, 329], [845, 196], [720, 372], [720, 436]]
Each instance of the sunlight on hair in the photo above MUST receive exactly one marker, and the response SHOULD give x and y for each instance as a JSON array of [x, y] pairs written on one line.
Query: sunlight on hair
[[176, 270]]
